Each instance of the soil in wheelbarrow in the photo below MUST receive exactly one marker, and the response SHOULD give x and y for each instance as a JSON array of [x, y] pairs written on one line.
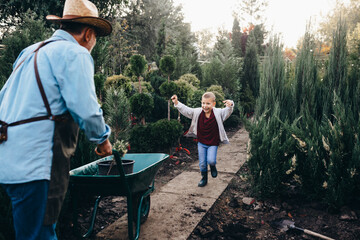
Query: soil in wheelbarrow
[[235, 215]]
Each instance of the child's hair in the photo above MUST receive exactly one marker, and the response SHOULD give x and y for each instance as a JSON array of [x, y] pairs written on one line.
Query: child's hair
[[209, 95]]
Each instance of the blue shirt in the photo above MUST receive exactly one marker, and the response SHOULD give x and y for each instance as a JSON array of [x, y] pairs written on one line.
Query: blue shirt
[[67, 73]]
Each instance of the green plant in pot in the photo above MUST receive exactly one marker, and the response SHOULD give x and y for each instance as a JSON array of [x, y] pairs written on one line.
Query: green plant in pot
[[109, 167]]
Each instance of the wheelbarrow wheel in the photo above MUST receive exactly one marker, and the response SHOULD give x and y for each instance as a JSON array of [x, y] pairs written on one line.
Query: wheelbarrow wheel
[[145, 208]]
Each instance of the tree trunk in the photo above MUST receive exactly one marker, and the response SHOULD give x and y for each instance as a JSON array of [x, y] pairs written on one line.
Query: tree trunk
[[169, 109], [139, 85], [143, 121]]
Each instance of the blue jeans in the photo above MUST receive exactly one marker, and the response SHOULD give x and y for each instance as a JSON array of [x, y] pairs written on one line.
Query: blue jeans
[[28, 208], [207, 155]]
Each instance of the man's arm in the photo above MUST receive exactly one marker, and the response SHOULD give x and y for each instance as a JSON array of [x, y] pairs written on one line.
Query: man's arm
[[78, 91]]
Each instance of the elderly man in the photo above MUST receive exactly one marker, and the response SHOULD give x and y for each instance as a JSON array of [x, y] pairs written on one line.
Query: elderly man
[[49, 95]]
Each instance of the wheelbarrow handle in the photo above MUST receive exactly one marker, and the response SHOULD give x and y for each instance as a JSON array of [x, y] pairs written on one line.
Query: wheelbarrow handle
[[317, 234]]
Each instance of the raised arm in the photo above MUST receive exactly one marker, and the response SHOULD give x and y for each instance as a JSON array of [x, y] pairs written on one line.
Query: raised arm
[[183, 109], [227, 111]]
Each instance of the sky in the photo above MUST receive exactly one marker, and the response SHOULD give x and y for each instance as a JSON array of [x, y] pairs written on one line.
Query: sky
[[286, 17]]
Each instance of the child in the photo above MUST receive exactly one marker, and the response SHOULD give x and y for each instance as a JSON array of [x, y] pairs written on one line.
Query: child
[[207, 126]]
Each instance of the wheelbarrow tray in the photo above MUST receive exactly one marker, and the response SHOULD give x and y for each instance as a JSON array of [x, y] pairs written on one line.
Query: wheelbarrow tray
[[136, 186], [146, 165]]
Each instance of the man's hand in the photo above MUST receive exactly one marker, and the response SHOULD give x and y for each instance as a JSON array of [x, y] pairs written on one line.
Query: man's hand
[[228, 103], [104, 149], [174, 98]]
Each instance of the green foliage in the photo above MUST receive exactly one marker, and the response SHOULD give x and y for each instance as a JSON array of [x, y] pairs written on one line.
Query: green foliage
[[15, 8], [142, 104], [156, 81], [251, 73], [155, 137], [195, 100], [113, 52], [140, 139], [147, 18], [29, 31], [117, 107], [166, 133], [85, 152], [167, 89], [216, 88], [160, 108], [118, 82], [221, 73], [184, 90], [191, 79], [341, 137], [310, 141], [272, 82], [145, 87], [236, 38], [271, 151], [161, 41], [137, 64], [232, 122], [212, 73], [167, 65], [99, 80], [247, 100]]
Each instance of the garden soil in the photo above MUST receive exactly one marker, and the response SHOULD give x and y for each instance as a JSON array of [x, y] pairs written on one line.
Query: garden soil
[[236, 214]]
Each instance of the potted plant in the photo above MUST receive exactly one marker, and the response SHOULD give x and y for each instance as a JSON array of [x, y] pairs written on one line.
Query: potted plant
[[109, 167]]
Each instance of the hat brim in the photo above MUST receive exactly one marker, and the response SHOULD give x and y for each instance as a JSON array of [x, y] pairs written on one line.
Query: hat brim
[[103, 26]]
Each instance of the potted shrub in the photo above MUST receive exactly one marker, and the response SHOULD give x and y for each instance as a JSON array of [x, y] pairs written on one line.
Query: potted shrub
[[109, 167]]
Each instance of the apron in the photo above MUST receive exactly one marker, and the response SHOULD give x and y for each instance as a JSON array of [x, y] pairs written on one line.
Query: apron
[[64, 140]]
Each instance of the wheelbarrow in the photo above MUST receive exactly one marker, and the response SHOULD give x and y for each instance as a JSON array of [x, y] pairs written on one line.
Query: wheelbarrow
[[136, 187]]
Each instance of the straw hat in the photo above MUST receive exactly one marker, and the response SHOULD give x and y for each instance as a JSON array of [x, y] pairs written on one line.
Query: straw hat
[[83, 11]]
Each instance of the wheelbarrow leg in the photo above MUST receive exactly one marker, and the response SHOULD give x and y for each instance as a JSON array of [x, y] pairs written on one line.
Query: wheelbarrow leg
[[130, 217], [75, 216], [91, 228]]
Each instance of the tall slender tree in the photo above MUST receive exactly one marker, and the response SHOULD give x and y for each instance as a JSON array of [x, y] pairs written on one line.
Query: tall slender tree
[[236, 38]]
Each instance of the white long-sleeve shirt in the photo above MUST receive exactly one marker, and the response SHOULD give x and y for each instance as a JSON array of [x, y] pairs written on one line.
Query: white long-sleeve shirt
[[221, 114]]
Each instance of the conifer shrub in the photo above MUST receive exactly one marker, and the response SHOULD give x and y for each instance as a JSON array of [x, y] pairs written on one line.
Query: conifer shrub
[[119, 82], [271, 153], [191, 79], [232, 122], [117, 107], [156, 137], [166, 134], [160, 108], [142, 105], [156, 81], [195, 100], [141, 140]]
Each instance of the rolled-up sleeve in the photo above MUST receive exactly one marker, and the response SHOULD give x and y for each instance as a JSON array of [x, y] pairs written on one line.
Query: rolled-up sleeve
[[78, 90]]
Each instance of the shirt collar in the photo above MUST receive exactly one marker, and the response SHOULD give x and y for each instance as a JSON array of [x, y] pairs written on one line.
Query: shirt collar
[[64, 35]]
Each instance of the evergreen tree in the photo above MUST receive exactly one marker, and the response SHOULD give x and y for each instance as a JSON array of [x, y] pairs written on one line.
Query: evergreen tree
[[236, 38], [161, 44], [251, 73], [252, 11], [138, 64]]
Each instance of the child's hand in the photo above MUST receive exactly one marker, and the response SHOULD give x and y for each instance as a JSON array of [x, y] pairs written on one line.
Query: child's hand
[[228, 103], [174, 98]]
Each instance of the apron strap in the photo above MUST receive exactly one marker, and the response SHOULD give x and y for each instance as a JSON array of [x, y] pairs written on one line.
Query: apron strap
[[4, 125]]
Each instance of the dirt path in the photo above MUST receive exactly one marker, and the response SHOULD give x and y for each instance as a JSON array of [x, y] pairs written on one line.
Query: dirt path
[[178, 206]]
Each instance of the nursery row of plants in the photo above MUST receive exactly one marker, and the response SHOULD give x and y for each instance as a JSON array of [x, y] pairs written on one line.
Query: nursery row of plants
[[305, 133]]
